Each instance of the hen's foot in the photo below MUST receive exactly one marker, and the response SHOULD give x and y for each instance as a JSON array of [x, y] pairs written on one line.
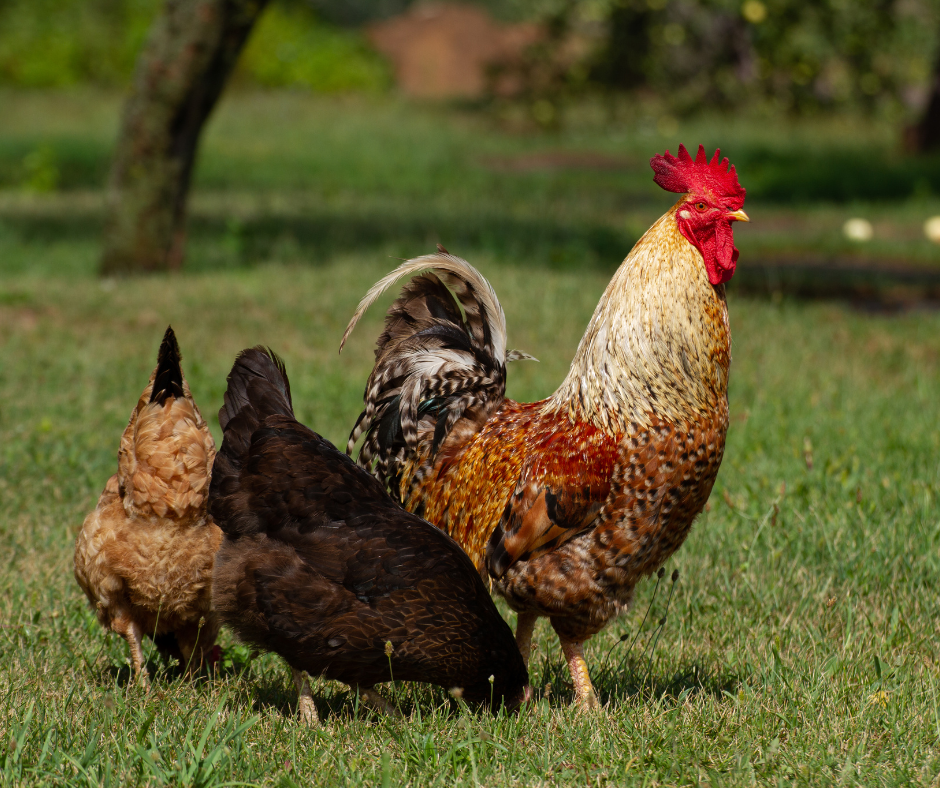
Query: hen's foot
[[369, 697], [306, 708], [192, 641], [583, 689]]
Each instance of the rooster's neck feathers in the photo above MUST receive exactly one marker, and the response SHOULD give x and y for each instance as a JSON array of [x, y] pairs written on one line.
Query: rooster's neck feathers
[[658, 343]]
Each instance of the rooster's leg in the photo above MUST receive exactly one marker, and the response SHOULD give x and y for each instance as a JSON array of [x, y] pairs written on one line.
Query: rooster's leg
[[525, 626], [132, 632], [305, 705], [583, 689], [376, 702]]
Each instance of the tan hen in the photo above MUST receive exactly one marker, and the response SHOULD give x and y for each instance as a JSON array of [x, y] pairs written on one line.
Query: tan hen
[[144, 556]]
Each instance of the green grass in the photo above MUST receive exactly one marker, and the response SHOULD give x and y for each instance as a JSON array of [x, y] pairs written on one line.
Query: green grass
[[801, 641]]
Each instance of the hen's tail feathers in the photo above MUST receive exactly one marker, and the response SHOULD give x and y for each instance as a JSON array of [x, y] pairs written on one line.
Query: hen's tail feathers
[[168, 379], [442, 354], [257, 388]]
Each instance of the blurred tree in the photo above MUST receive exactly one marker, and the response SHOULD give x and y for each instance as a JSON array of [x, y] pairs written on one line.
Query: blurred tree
[[797, 55], [191, 49], [352, 13], [926, 134], [622, 60]]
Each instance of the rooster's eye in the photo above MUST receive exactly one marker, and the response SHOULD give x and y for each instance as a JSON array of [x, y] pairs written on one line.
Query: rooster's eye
[[700, 206]]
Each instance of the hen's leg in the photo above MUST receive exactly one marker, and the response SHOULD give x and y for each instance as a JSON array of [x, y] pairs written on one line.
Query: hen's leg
[[132, 632], [525, 626], [376, 702], [186, 639], [305, 705], [583, 689], [195, 642]]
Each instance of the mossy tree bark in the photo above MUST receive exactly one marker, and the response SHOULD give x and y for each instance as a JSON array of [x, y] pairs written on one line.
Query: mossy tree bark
[[190, 52]]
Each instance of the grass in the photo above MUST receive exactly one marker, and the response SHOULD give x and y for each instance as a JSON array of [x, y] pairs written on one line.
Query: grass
[[301, 180], [801, 641]]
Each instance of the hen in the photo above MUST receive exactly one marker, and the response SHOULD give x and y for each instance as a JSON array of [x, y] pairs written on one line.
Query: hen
[[144, 556], [567, 502], [321, 566]]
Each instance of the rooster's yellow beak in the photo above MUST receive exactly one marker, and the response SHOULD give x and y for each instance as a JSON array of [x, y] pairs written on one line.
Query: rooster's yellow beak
[[738, 216]]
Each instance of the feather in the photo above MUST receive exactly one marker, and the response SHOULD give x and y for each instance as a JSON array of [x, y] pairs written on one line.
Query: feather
[[485, 316], [444, 340], [321, 566], [168, 379]]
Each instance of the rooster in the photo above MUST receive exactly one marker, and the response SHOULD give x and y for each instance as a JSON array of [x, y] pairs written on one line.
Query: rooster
[[321, 566], [566, 503], [144, 556]]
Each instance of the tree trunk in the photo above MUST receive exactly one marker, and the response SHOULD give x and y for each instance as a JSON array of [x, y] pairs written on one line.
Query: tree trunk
[[190, 52], [926, 134]]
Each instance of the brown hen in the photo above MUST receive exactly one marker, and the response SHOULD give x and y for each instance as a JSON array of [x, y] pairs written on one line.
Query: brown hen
[[321, 566], [570, 501], [144, 556]]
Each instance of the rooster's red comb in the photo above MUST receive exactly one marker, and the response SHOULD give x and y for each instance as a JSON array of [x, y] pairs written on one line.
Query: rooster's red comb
[[681, 174]]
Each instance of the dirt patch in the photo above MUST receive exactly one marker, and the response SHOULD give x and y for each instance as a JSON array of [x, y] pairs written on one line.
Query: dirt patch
[[447, 50]]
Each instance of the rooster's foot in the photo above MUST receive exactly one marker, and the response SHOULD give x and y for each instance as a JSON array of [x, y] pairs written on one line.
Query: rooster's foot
[[583, 689]]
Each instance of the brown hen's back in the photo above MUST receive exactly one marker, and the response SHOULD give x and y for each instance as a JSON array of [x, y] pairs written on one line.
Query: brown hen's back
[[144, 556], [321, 566]]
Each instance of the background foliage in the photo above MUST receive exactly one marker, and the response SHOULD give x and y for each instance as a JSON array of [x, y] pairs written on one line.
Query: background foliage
[[292, 47], [795, 55], [785, 55], [58, 43]]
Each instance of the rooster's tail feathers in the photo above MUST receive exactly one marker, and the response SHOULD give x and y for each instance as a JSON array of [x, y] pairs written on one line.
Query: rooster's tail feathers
[[168, 378], [443, 352], [484, 315]]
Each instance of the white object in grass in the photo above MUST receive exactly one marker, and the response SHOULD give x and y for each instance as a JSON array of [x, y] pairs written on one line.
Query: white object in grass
[[932, 229], [857, 229]]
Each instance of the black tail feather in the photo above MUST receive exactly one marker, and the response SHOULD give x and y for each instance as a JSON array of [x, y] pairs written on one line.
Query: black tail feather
[[168, 381], [257, 388]]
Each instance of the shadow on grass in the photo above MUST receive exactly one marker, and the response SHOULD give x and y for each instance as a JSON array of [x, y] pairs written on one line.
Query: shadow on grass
[[159, 671], [825, 172], [633, 680], [272, 692], [835, 175], [886, 288], [217, 242], [326, 233]]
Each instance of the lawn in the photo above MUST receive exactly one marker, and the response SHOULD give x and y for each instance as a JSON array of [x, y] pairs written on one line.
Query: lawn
[[800, 642]]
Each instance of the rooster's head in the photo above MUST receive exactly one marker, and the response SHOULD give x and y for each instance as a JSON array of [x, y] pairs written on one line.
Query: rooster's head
[[713, 199]]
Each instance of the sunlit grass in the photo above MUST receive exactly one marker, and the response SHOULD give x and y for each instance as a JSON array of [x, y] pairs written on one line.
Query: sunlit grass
[[800, 643]]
